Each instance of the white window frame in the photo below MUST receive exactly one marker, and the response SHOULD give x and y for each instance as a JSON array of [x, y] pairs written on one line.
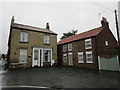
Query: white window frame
[[88, 44], [106, 43], [64, 57], [69, 47], [89, 52], [64, 48], [79, 61], [23, 56], [41, 56], [49, 56], [46, 39], [23, 36]]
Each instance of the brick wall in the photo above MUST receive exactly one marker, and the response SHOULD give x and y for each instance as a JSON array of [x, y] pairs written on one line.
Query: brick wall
[[35, 39], [104, 50], [99, 48], [78, 46]]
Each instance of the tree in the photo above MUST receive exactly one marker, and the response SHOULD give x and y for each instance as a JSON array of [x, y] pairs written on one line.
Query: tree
[[68, 34]]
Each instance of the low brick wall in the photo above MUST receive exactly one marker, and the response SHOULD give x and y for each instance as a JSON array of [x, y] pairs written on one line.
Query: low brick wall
[[19, 65]]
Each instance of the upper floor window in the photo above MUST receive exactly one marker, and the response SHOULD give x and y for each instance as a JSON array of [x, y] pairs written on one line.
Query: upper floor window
[[80, 57], [69, 47], [89, 57], [106, 43], [46, 39], [24, 37], [64, 48], [88, 44]]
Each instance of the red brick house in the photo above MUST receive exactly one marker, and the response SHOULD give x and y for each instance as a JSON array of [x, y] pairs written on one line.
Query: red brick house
[[96, 49]]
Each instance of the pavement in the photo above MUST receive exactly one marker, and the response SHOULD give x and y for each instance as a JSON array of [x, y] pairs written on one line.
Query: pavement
[[60, 77]]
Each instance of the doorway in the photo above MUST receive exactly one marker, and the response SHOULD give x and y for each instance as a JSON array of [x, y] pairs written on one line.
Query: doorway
[[41, 55], [70, 59]]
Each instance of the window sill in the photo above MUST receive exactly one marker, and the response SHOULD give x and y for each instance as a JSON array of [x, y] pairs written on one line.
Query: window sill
[[89, 48], [80, 62], [89, 62], [69, 50], [18, 63], [64, 61], [47, 61]]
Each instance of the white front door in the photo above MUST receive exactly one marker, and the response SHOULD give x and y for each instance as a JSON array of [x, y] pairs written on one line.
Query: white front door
[[70, 59]]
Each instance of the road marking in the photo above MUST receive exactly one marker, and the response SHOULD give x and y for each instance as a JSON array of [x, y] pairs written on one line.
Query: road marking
[[23, 87]]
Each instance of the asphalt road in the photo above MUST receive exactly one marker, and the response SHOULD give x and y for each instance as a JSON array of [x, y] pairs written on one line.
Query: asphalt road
[[60, 77]]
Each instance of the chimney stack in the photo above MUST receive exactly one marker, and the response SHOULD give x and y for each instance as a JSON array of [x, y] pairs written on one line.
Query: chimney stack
[[12, 20], [104, 22], [47, 26]]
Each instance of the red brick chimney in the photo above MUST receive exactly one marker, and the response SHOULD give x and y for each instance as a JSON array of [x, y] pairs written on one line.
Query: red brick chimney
[[104, 22]]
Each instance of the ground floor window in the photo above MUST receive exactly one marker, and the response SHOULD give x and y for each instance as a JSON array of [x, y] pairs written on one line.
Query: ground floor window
[[80, 57], [23, 56], [65, 57], [89, 57], [47, 55]]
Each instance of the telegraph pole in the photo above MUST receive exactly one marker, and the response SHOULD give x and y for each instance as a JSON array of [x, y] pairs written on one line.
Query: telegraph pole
[[118, 35]]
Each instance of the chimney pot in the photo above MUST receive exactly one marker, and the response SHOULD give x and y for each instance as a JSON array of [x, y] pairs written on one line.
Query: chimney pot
[[47, 26], [12, 20]]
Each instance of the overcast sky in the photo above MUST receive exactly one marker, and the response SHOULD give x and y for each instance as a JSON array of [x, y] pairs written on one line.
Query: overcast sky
[[62, 16]]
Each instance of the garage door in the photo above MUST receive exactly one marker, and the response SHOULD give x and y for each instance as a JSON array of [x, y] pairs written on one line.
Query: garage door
[[108, 63]]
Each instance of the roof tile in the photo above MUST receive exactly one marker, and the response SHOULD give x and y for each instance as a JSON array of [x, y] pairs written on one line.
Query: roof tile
[[83, 35], [16, 25]]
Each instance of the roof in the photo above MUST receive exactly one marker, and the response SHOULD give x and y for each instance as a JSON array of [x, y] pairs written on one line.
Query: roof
[[31, 28], [83, 35]]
